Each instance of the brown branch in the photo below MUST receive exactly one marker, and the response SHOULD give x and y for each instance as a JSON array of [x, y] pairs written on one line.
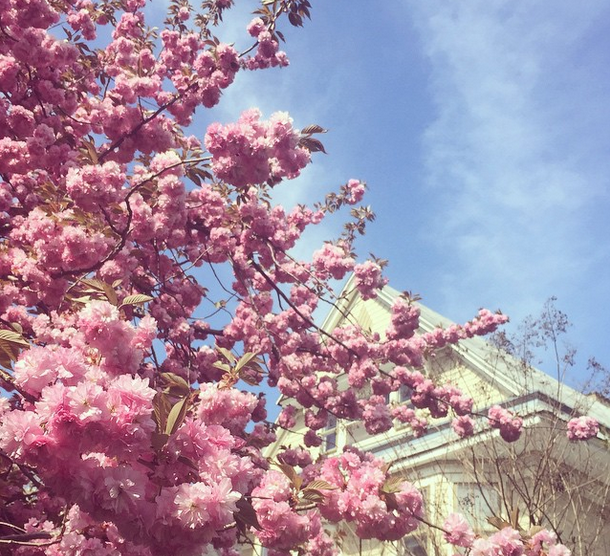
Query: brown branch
[[305, 319], [6, 377], [11, 526], [23, 538]]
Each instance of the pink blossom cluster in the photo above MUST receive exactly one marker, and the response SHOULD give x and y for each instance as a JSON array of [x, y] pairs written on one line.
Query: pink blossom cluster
[[510, 426], [582, 428], [457, 531], [484, 323], [354, 191], [268, 54], [405, 348], [358, 495], [354, 353], [463, 426], [295, 457], [507, 541], [405, 320], [426, 394], [407, 415], [89, 431], [369, 279], [333, 260], [281, 526], [251, 151], [376, 415]]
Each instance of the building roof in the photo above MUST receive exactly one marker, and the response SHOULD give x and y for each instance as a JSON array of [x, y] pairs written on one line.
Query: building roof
[[527, 391], [506, 371]]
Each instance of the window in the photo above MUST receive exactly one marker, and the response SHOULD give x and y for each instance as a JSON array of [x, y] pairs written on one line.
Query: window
[[329, 434], [404, 393], [477, 503], [413, 546]]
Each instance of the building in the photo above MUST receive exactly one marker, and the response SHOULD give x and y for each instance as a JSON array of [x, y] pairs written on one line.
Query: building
[[549, 480]]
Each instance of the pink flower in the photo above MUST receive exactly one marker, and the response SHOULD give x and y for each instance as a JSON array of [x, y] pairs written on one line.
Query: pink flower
[[252, 152], [508, 541], [19, 432], [369, 279], [463, 426], [457, 531], [287, 417], [87, 401], [509, 425], [123, 489], [191, 504], [582, 428], [256, 26]]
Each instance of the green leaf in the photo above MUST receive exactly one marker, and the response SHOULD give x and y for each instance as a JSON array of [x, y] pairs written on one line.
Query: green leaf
[[320, 485], [89, 149], [221, 366], [135, 299], [194, 177], [226, 354], [7, 357], [110, 294], [295, 19], [312, 145], [82, 299], [391, 502], [94, 283], [392, 485], [291, 473], [176, 382], [12, 337], [534, 530], [11, 343], [386, 467], [248, 380], [313, 128], [5, 361], [313, 495], [158, 440], [498, 522], [176, 416], [244, 360], [188, 462], [161, 408]]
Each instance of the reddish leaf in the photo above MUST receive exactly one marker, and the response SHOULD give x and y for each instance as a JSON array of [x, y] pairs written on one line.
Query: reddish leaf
[[246, 514]]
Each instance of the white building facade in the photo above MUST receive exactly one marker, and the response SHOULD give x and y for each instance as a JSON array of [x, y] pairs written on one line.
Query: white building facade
[[547, 479]]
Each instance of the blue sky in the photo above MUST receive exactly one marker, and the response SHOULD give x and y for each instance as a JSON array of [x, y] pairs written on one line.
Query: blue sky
[[482, 129]]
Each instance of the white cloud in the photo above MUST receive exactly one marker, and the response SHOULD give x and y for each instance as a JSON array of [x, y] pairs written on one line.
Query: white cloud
[[510, 163]]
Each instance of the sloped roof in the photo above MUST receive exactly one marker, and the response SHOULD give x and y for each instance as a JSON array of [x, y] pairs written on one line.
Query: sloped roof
[[506, 372]]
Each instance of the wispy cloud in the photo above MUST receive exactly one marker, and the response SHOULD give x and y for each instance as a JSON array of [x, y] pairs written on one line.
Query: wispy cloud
[[513, 152]]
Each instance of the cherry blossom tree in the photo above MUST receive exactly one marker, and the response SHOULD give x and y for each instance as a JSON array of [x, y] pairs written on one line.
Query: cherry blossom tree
[[125, 428]]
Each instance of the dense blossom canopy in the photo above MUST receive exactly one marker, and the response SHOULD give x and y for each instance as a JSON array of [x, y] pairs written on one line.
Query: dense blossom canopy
[[124, 429]]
